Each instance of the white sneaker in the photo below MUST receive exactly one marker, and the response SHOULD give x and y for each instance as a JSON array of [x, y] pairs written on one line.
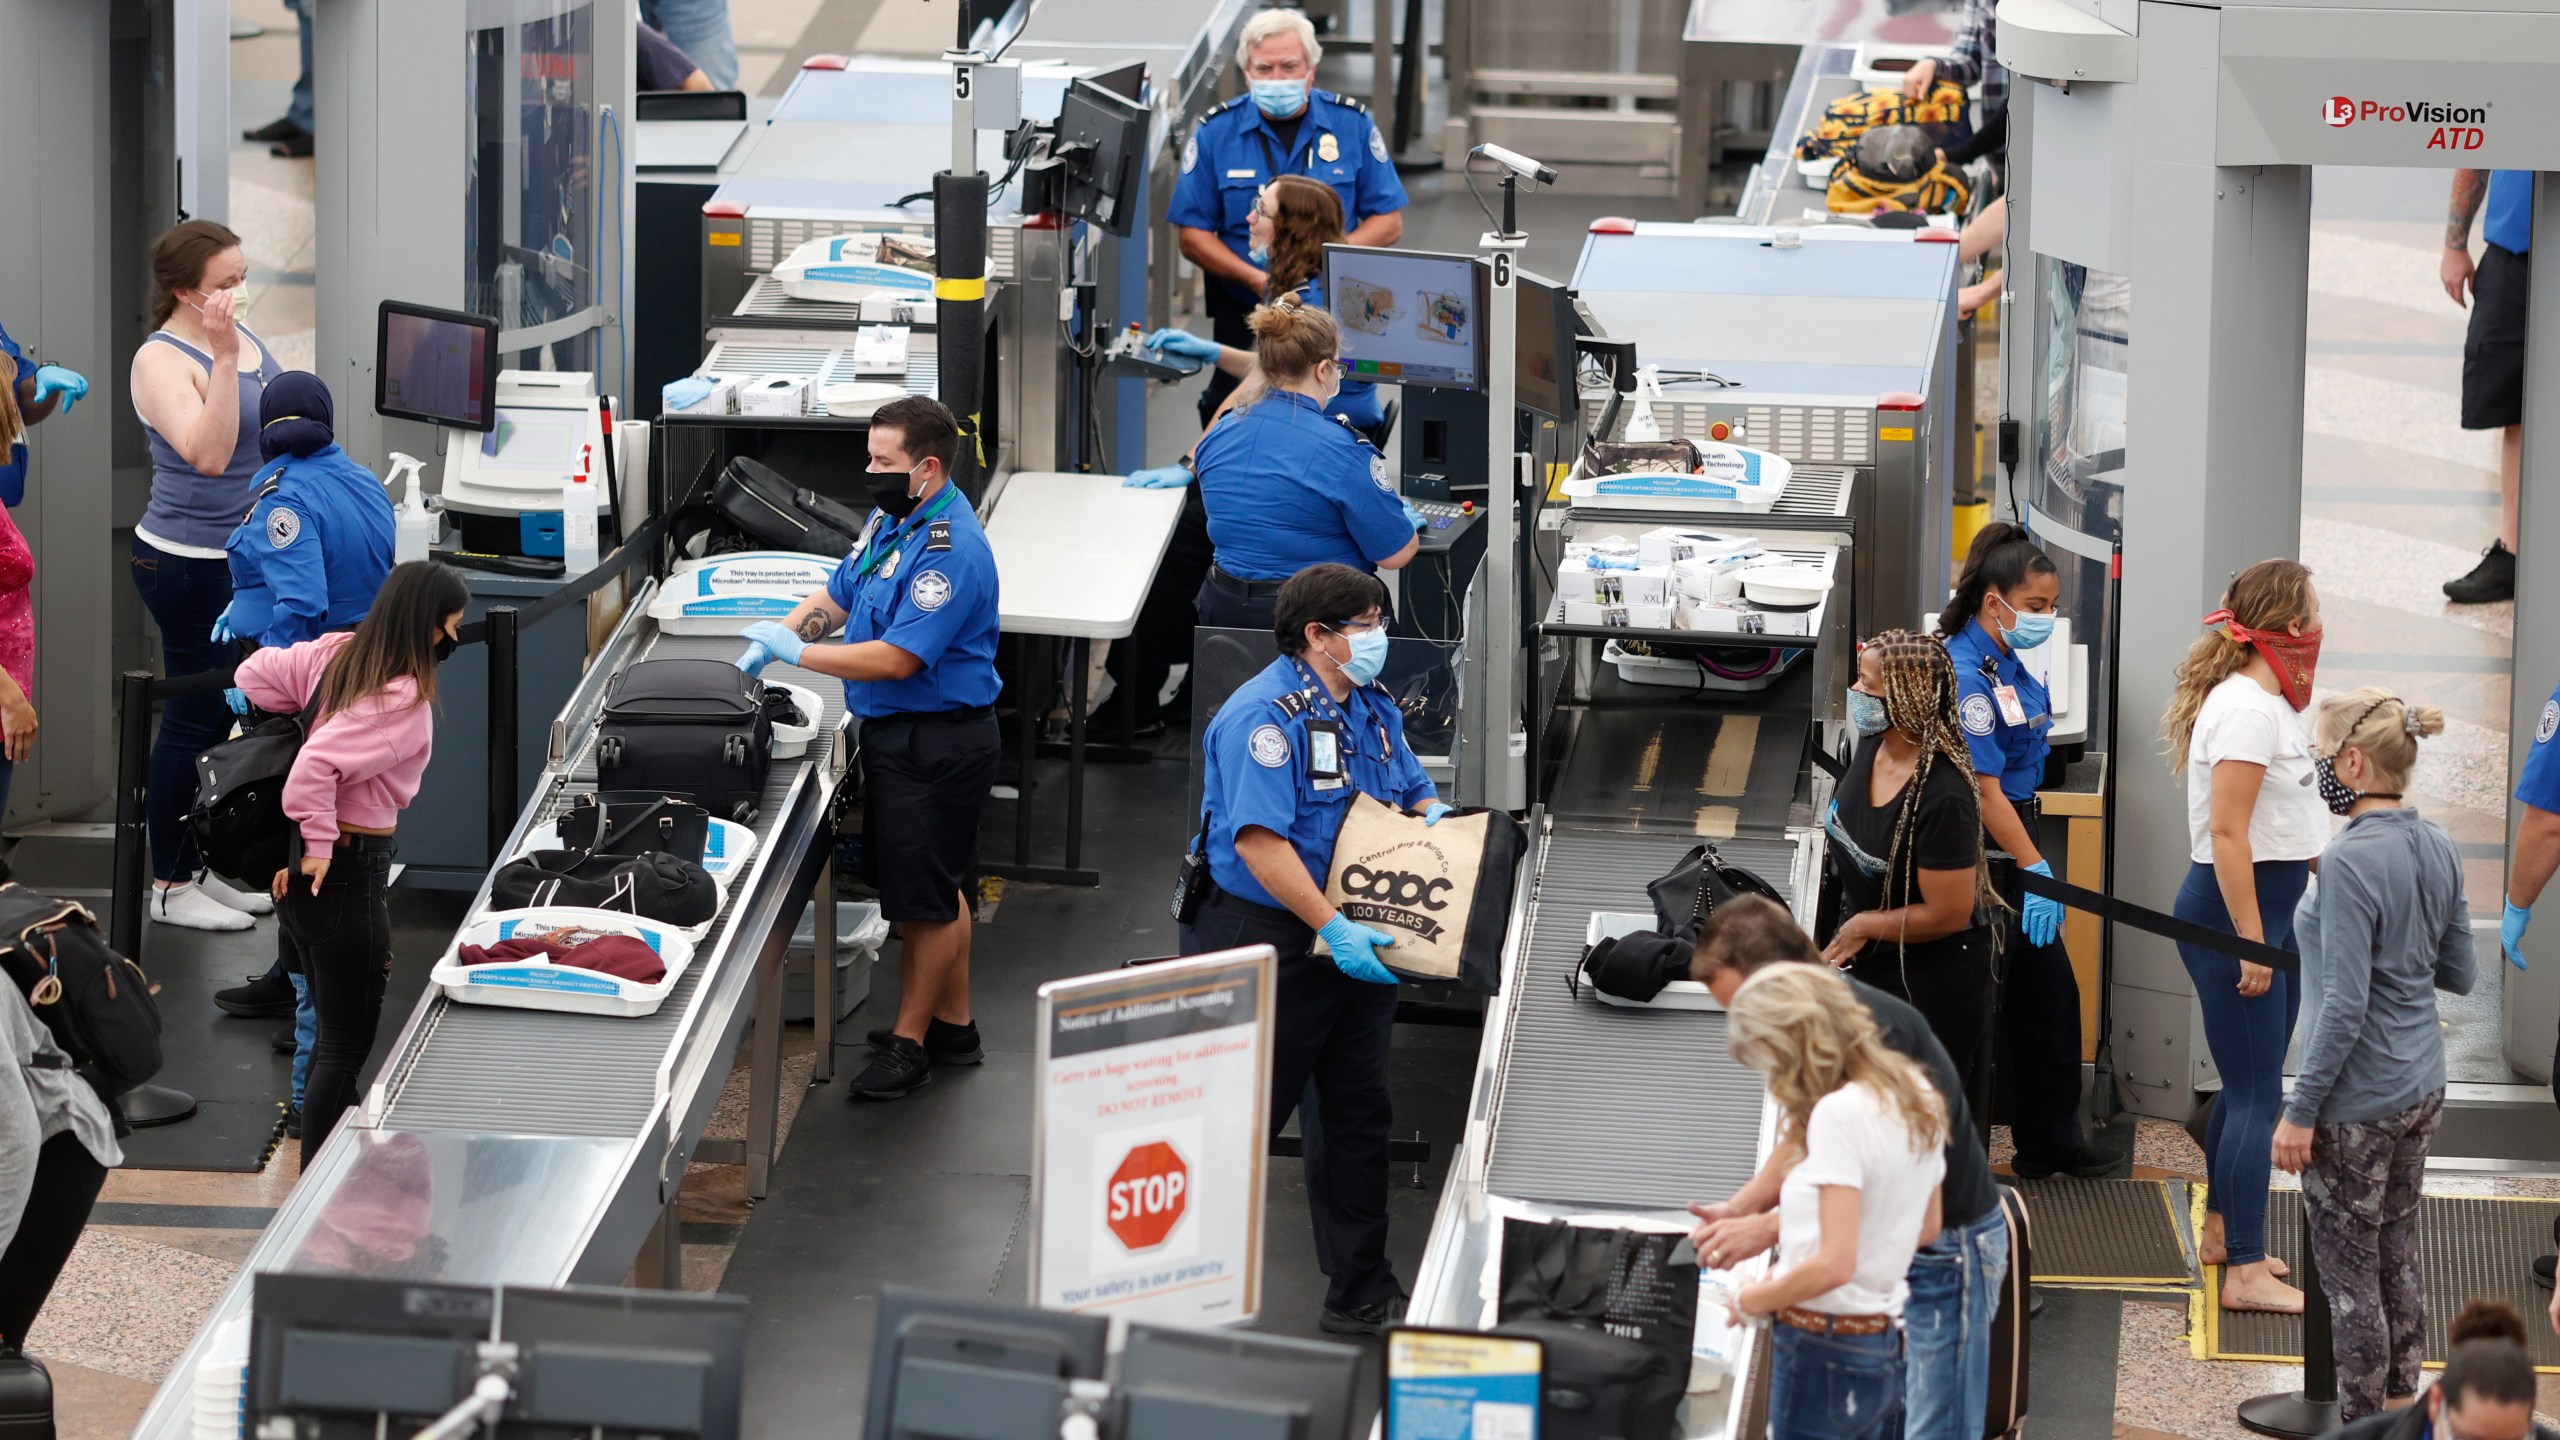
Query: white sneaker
[[189, 906], [247, 902]]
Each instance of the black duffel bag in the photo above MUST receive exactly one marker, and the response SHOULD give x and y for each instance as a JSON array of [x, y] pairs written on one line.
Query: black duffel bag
[[664, 888]]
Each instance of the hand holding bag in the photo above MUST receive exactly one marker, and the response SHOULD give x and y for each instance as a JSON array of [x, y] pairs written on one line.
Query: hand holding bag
[[1443, 891], [1693, 889]]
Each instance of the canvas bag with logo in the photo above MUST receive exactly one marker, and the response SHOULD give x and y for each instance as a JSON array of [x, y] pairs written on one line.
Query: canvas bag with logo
[[1442, 891]]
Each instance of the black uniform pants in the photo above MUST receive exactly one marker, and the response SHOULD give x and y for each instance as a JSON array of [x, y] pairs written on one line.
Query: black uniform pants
[[1162, 639], [2039, 1025], [1331, 1042], [59, 1195], [1232, 604]]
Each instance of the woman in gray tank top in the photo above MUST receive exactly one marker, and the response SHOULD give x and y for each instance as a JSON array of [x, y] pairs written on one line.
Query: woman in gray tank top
[[199, 410]]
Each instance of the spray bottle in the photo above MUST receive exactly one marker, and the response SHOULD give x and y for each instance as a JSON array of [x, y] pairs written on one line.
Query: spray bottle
[[578, 515], [1641, 425], [415, 527]]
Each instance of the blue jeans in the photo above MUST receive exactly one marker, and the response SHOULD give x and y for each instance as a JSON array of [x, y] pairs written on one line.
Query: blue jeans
[[699, 28], [1955, 1290], [184, 597], [2247, 1035], [299, 110], [1834, 1387], [306, 1029]]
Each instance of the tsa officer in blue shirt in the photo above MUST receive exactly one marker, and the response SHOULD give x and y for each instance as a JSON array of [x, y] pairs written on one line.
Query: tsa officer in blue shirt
[[2004, 603], [917, 602], [38, 390], [1284, 757], [317, 542], [1288, 486], [1282, 126]]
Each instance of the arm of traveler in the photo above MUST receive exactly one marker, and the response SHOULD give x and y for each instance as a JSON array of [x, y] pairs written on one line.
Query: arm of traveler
[[21, 1132], [1732, 1231], [1945, 907], [170, 391], [1830, 1267], [1936, 1219], [2349, 920], [2457, 954], [2233, 799]]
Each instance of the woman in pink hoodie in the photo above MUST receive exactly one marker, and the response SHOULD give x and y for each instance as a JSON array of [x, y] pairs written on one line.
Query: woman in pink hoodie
[[358, 770]]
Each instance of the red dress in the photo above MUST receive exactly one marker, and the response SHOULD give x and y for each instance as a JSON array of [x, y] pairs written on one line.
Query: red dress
[[17, 606]]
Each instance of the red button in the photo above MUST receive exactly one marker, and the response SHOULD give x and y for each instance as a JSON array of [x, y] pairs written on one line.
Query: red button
[[1466, 507], [1719, 430]]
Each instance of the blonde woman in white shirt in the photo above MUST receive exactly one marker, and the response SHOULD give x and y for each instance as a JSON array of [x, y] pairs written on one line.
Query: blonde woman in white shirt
[[2254, 825], [1852, 1211]]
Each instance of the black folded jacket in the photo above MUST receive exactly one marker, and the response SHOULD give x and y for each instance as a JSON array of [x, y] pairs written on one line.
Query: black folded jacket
[[652, 885], [1636, 966]]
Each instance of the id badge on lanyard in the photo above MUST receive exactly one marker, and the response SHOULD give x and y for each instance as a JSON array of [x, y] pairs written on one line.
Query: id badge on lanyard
[[2012, 711], [1324, 755]]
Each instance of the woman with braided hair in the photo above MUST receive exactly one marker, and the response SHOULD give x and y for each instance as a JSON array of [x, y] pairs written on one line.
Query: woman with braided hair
[[1906, 847]]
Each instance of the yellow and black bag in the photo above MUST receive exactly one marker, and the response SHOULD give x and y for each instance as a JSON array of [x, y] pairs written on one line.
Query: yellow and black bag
[[1897, 167], [1943, 111]]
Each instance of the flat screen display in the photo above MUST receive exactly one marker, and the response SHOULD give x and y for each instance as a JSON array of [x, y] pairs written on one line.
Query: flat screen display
[[1407, 317], [440, 366]]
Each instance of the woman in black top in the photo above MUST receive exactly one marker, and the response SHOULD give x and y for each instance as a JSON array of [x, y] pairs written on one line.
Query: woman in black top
[[1906, 846]]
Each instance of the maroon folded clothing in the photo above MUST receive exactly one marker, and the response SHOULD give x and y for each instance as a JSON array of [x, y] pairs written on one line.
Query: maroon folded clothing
[[621, 956]]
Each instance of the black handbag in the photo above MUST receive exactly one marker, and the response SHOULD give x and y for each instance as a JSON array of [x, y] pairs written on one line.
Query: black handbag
[[1618, 1312], [663, 888], [238, 811], [628, 822], [1692, 889]]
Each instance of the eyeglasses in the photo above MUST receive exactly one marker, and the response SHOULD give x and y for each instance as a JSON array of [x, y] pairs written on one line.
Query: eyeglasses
[[1384, 619]]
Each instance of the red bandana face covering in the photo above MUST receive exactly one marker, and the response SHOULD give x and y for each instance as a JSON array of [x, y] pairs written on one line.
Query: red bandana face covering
[[2296, 658]]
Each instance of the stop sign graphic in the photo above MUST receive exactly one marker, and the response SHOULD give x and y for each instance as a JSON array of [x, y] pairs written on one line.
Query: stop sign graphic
[[1145, 1196]]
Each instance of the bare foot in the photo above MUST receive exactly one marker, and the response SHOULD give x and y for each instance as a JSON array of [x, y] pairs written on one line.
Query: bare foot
[[2250, 1287], [2210, 1249]]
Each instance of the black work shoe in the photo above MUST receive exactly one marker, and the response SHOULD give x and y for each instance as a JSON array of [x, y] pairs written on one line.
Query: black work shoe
[[280, 128], [2088, 1162], [1370, 1319], [2490, 581], [896, 1068], [283, 1041], [265, 997], [2542, 1269], [944, 1044], [293, 1122], [296, 148]]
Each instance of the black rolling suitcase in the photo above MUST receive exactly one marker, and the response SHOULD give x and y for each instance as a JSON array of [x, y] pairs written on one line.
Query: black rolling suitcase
[[695, 728], [2007, 1414], [26, 1398]]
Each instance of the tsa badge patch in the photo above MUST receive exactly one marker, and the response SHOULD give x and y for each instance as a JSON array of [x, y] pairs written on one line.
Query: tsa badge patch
[[283, 527], [2550, 722], [1190, 153], [1377, 145], [1378, 474], [931, 590], [1977, 714], [1270, 747]]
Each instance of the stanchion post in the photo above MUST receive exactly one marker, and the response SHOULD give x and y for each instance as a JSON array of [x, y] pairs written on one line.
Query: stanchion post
[[132, 880], [2313, 1409], [503, 795]]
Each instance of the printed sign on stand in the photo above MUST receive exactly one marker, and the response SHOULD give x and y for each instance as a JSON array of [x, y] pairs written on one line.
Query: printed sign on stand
[[1147, 1176], [1459, 1385]]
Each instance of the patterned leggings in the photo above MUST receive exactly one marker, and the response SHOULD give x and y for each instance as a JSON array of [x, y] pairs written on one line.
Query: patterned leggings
[[2360, 1198]]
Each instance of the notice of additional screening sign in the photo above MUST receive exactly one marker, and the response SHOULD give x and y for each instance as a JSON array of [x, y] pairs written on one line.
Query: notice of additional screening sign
[[1453, 1385], [1147, 1172]]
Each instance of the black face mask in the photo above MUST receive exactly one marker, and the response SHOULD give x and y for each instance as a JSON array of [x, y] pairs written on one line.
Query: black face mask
[[888, 490], [445, 646]]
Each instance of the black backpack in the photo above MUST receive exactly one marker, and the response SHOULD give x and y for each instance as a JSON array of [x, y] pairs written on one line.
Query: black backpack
[[238, 815], [97, 1003], [760, 504], [666, 888]]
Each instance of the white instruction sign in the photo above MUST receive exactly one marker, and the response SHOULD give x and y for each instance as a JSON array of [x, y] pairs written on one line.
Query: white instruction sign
[[1147, 1177]]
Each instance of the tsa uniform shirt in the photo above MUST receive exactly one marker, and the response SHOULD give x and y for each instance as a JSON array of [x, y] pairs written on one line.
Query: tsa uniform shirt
[[2540, 786], [1288, 486], [2506, 219], [1234, 152], [313, 552], [1259, 769], [13, 465], [928, 586], [2013, 752]]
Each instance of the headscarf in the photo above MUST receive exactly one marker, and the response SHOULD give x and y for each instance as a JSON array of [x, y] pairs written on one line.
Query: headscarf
[[295, 417]]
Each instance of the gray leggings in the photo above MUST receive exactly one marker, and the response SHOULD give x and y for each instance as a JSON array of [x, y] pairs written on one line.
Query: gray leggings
[[2360, 1198]]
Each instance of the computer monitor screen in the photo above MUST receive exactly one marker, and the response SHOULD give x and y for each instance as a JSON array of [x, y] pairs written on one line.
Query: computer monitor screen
[[334, 1348], [1102, 139], [1180, 1383], [997, 1371], [1408, 317], [624, 1362], [440, 366], [1543, 356]]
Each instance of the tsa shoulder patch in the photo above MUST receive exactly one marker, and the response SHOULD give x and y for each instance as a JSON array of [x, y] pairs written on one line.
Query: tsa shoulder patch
[[283, 527], [1977, 715], [2550, 724], [1269, 746], [1191, 153], [1378, 473], [1377, 145], [931, 590]]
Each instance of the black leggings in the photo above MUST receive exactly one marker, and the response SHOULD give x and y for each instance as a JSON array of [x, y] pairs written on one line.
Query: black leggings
[[58, 1199], [341, 939], [1948, 980]]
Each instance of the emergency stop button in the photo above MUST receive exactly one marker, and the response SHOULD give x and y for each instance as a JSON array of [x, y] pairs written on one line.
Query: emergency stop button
[[1719, 430], [1466, 507]]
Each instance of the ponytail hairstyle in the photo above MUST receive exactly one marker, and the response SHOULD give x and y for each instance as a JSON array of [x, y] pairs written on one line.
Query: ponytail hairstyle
[[1306, 216], [13, 426], [2271, 596], [397, 638], [1920, 701], [2383, 726], [2001, 559], [1808, 1035], [1291, 338]]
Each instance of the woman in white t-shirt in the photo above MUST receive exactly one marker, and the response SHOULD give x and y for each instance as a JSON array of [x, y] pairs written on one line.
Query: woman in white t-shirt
[[2254, 825], [1859, 1201]]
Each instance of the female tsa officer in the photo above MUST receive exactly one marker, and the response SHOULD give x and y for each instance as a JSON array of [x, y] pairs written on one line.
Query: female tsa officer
[[2004, 603], [1288, 486], [1284, 757]]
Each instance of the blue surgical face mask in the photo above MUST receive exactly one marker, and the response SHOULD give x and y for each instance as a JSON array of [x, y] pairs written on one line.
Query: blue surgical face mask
[[1279, 99], [1866, 713], [1259, 257], [1368, 656], [2030, 631]]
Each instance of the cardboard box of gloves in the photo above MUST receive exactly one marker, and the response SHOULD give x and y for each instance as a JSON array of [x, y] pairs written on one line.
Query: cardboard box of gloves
[[1443, 891]]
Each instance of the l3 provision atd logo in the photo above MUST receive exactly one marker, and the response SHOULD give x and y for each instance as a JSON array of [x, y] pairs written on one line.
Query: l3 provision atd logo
[[2453, 127]]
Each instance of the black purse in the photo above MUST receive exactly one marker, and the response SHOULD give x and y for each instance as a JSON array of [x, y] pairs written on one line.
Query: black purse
[[1693, 889], [630, 822]]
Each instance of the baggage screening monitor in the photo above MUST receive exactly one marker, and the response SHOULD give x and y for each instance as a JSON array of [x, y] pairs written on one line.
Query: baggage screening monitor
[[1407, 317], [440, 366]]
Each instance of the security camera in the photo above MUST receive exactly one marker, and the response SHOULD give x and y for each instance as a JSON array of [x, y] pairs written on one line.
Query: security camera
[[1517, 163]]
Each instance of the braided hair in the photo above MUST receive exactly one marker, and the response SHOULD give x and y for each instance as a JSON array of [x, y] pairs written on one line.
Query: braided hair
[[1920, 701]]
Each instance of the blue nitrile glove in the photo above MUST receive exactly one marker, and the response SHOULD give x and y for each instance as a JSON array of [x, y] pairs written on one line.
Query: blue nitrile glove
[[1352, 947], [1432, 812], [222, 632], [1413, 517], [237, 699], [756, 658], [1183, 342], [2042, 915], [1163, 477], [684, 394], [52, 380], [777, 640], [2511, 932]]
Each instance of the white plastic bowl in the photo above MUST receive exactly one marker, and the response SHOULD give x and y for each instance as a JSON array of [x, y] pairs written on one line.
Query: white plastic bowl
[[1786, 587], [792, 741], [859, 397]]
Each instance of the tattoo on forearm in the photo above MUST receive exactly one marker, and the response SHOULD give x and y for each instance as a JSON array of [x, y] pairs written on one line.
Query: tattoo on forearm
[[813, 627], [2469, 188]]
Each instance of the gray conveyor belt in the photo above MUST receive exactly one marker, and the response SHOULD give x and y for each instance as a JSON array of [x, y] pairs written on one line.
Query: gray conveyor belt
[[537, 1147], [1610, 1106]]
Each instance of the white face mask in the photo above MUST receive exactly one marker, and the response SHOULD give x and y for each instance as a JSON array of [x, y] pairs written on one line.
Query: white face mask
[[239, 303]]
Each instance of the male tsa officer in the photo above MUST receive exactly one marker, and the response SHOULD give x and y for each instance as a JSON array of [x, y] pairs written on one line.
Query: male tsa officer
[[1282, 126], [2530, 867], [917, 600], [1285, 755]]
